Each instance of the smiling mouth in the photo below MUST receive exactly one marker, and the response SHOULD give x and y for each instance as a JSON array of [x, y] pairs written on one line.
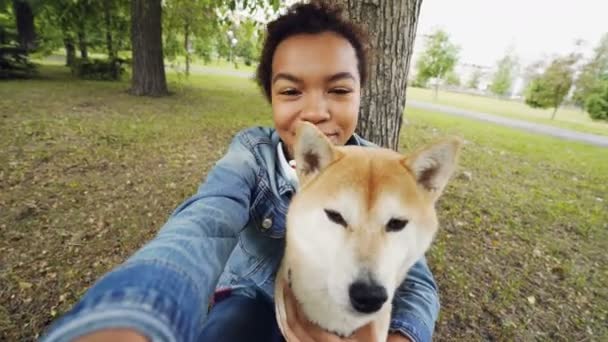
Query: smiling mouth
[[333, 137]]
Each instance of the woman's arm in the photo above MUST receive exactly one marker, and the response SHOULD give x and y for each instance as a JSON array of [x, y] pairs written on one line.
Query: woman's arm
[[162, 292], [416, 304]]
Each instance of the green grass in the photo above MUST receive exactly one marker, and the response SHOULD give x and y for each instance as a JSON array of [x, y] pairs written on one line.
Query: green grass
[[216, 64], [88, 174], [565, 118]]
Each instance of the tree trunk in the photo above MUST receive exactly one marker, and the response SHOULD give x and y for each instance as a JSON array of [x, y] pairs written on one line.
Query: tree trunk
[[391, 26], [82, 43], [70, 50], [187, 51], [24, 18], [68, 42], [554, 112], [436, 91], [108, 22], [146, 39]]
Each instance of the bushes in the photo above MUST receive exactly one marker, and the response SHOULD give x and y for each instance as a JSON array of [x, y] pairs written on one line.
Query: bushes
[[597, 107], [98, 69], [596, 103], [14, 63]]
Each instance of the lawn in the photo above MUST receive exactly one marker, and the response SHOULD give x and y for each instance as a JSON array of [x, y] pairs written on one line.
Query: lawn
[[568, 118], [88, 174]]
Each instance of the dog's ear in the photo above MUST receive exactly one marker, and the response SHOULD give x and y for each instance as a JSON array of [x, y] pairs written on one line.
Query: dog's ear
[[312, 151], [434, 164]]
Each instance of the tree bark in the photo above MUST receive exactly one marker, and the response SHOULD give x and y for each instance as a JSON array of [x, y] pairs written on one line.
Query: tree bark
[[186, 50], [24, 17], [391, 26], [146, 39], [82, 43], [107, 9], [554, 112], [68, 42], [70, 50]]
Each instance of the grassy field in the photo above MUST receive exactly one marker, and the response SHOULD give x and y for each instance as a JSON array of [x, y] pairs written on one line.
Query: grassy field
[[88, 174], [219, 64], [565, 118]]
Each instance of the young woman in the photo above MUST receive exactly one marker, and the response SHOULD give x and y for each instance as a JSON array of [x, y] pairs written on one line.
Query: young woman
[[209, 273]]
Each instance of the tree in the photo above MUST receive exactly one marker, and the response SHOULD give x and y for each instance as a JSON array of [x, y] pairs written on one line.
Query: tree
[[146, 39], [473, 82], [503, 77], [597, 103], [391, 26], [248, 44], [438, 59], [116, 26], [590, 79], [24, 17], [549, 89], [452, 79], [190, 20], [83, 25], [14, 48]]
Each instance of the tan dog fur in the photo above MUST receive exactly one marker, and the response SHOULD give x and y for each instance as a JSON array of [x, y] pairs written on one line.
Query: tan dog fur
[[368, 187]]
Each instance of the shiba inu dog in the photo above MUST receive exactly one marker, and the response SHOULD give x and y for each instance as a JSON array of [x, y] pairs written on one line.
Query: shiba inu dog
[[360, 219]]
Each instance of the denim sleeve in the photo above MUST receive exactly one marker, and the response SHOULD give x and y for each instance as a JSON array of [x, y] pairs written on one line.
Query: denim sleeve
[[416, 304], [163, 290]]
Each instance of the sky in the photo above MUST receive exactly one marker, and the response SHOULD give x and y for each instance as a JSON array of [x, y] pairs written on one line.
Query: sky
[[485, 29]]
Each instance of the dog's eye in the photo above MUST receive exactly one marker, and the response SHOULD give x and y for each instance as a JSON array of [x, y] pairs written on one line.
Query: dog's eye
[[395, 225], [335, 217]]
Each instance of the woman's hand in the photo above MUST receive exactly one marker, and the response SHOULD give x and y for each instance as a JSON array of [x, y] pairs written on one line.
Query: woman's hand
[[302, 330], [114, 335], [398, 338]]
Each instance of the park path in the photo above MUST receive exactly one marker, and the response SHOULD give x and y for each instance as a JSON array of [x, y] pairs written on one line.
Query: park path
[[557, 132]]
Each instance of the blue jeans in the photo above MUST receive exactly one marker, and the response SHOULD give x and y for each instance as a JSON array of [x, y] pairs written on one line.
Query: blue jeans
[[241, 318]]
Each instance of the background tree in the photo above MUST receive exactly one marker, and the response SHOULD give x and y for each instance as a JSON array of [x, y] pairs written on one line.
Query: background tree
[[597, 103], [392, 29], [84, 25], [475, 78], [188, 20], [24, 18], [452, 79], [593, 73], [116, 26], [14, 48], [438, 59], [502, 80], [148, 76], [248, 44], [549, 89]]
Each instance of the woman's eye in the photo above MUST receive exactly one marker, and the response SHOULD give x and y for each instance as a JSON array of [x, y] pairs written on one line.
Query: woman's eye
[[340, 91], [290, 92]]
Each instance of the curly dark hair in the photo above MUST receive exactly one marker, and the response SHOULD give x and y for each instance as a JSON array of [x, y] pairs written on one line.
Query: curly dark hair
[[310, 18]]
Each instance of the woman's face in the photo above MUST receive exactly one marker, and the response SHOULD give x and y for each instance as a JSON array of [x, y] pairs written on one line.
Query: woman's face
[[315, 78]]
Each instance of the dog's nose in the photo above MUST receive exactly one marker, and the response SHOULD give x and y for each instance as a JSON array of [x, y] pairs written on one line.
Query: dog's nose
[[367, 297]]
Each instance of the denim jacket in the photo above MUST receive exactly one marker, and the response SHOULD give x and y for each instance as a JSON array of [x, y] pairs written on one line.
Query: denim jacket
[[229, 235]]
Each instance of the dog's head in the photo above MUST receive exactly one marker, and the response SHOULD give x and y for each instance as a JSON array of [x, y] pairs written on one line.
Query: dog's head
[[361, 218]]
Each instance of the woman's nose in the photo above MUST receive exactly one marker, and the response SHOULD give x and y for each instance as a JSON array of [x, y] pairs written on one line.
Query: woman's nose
[[315, 109]]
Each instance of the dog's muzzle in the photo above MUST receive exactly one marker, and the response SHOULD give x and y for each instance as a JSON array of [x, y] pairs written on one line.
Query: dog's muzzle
[[367, 297]]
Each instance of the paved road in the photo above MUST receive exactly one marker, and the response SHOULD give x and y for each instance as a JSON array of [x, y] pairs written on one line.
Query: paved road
[[562, 133]]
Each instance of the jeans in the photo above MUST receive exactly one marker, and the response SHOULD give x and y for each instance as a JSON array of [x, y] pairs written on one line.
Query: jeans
[[240, 318]]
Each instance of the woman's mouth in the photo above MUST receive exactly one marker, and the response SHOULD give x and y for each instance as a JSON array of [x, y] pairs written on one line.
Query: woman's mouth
[[333, 137]]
